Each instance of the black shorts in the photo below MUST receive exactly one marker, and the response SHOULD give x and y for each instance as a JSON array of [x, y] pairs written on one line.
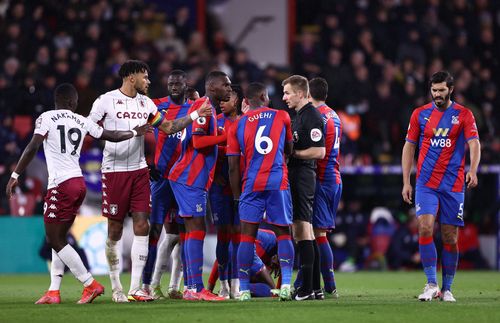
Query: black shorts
[[302, 188]]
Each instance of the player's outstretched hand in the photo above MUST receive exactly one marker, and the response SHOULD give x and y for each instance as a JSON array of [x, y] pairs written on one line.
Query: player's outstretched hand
[[471, 179], [11, 185], [407, 193], [142, 130], [206, 109]]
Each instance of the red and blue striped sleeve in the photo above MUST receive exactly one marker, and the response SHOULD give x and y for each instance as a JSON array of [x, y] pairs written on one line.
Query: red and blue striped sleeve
[[413, 132]]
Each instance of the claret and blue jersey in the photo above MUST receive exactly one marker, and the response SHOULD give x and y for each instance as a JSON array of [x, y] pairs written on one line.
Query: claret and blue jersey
[[441, 137]]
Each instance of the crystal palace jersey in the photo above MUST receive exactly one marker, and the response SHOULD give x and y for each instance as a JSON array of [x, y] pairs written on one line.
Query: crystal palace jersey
[[266, 245], [260, 136], [196, 167], [222, 166], [121, 112], [64, 132], [168, 147], [441, 137], [328, 167]]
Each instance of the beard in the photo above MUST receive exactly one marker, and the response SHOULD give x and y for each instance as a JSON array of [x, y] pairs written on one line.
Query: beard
[[143, 91], [444, 101]]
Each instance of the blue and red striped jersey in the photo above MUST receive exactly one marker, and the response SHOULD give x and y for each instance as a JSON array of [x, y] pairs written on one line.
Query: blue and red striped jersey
[[168, 147], [222, 166], [196, 167], [328, 169], [260, 136], [266, 245], [441, 137]]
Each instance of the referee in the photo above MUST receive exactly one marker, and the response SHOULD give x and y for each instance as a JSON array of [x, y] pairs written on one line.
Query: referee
[[309, 145]]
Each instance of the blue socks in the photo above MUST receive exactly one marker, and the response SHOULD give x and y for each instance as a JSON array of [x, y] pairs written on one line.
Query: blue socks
[[449, 262], [428, 257]]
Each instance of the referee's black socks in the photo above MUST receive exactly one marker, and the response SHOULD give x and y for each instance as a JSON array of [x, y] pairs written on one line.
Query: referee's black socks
[[306, 254], [316, 275]]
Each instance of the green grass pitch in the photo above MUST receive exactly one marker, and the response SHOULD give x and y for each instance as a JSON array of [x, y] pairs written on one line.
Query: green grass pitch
[[364, 297]]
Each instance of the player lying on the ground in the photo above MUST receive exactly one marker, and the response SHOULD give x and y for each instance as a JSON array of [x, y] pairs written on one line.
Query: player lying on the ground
[[265, 263]]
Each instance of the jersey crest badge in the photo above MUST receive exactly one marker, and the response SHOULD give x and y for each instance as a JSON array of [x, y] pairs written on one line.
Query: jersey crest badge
[[113, 209]]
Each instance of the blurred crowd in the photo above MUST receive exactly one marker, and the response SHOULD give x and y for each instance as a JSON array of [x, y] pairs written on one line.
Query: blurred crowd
[[377, 57]]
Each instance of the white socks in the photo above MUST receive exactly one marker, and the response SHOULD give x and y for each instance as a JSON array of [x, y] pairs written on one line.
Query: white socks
[[71, 258], [56, 271], [235, 288], [139, 256], [175, 278], [163, 254], [113, 255]]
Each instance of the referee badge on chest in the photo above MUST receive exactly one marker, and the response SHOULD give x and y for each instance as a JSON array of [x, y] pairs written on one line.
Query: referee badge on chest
[[295, 136]]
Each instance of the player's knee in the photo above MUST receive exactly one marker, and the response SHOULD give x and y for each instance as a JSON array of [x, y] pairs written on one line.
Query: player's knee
[[425, 231], [450, 238], [141, 228], [56, 243]]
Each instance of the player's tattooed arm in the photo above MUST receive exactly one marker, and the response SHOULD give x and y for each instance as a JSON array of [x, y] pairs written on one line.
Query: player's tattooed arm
[[173, 126], [27, 156]]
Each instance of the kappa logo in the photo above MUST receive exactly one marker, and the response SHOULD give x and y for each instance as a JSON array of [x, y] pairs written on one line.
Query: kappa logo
[[113, 209], [119, 102], [105, 211], [454, 120], [104, 202], [103, 176], [316, 134], [53, 198], [51, 215], [38, 123], [54, 192], [142, 103], [53, 207], [104, 194], [199, 208], [104, 185]]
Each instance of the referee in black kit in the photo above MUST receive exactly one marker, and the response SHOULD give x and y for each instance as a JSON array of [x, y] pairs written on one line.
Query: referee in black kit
[[309, 145]]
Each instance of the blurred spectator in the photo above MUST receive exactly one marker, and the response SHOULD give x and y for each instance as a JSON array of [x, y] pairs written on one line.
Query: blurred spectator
[[403, 250]]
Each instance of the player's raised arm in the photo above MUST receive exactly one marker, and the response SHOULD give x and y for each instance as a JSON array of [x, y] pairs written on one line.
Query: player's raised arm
[[475, 156], [173, 126], [27, 156]]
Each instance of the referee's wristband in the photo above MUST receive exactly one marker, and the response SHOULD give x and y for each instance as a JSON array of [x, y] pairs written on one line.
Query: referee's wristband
[[134, 133], [194, 115], [14, 175]]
